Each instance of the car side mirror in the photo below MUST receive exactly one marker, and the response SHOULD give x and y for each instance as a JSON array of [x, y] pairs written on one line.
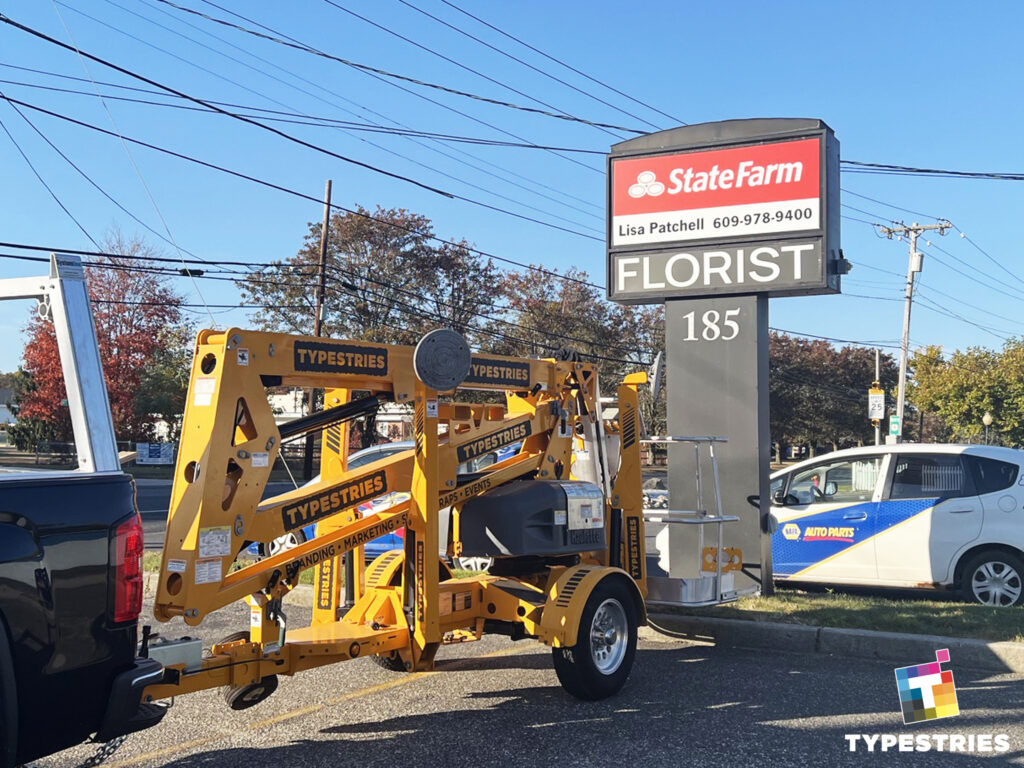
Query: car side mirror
[[779, 498], [831, 488]]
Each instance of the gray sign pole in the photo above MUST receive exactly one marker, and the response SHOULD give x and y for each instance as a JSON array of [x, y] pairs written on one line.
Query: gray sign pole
[[717, 375]]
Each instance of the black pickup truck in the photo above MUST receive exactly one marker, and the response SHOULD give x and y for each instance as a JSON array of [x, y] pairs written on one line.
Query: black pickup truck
[[70, 597], [71, 564]]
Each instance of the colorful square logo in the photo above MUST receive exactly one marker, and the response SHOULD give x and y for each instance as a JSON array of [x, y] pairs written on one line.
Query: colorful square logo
[[927, 691]]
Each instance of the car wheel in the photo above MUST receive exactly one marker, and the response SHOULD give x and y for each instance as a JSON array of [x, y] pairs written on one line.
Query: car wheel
[[599, 663], [472, 563], [281, 544], [994, 578]]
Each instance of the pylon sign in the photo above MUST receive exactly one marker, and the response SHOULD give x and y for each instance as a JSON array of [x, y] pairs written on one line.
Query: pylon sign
[[735, 207]]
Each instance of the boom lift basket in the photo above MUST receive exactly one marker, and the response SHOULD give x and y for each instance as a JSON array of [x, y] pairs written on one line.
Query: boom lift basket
[[672, 582]]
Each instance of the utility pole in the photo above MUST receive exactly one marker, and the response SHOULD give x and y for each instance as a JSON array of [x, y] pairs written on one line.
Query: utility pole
[[878, 378], [318, 320], [916, 262]]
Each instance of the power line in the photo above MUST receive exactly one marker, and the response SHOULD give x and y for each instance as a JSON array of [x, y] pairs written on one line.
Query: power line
[[563, 64], [997, 288], [854, 166], [387, 81], [289, 137], [484, 189], [42, 181], [460, 158], [404, 132], [302, 195], [363, 294], [494, 48], [292, 43], [100, 189], [840, 341], [427, 314], [296, 118], [460, 65], [988, 255], [889, 205], [124, 145]]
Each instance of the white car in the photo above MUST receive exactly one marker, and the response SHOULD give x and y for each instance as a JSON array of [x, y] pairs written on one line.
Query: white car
[[908, 515]]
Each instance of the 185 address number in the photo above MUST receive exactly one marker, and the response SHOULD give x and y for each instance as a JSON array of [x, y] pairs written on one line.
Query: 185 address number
[[712, 325]]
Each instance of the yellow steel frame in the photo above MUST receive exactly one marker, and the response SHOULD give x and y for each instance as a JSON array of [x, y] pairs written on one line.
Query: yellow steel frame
[[230, 443]]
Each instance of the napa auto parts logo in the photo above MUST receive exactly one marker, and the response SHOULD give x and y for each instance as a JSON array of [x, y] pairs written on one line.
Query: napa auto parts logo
[[741, 191]]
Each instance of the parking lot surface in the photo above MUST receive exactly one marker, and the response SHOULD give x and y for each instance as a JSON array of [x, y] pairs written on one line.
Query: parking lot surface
[[498, 703]]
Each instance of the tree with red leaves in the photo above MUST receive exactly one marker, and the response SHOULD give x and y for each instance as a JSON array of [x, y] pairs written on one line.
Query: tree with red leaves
[[139, 327]]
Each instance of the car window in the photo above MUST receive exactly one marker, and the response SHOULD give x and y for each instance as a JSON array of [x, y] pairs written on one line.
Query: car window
[[926, 476], [777, 485], [366, 458], [991, 475], [837, 481], [370, 456]]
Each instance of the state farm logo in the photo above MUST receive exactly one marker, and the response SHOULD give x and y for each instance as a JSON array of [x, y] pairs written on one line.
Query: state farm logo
[[646, 184]]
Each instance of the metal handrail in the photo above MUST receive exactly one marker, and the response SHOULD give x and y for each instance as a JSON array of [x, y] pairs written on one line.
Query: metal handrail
[[685, 439], [691, 521]]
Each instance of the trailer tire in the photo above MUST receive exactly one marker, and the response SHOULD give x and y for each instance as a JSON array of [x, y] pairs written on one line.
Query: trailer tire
[[392, 662], [597, 666], [245, 696], [8, 703]]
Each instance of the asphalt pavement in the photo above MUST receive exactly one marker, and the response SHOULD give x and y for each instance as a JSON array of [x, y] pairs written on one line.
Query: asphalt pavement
[[499, 703]]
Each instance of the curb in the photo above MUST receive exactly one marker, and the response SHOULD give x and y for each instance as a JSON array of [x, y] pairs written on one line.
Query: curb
[[1002, 657]]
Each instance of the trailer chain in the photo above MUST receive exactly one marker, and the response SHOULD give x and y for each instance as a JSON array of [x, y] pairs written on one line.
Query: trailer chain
[[104, 752]]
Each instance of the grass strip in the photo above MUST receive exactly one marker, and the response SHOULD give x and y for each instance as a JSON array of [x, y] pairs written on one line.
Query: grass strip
[[917, 616]]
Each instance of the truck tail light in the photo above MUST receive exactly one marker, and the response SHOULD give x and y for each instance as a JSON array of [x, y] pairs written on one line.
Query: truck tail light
[[128, 547]]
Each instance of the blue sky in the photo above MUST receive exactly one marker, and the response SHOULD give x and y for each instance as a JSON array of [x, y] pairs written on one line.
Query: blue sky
[[933, 86]]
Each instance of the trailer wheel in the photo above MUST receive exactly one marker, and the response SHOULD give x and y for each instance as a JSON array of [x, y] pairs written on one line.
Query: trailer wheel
[[245, 696], [392, 662], [599, 663]]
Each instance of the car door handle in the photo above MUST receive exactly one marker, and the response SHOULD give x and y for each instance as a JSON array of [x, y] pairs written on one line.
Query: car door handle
[[960, 511], [856, 516]]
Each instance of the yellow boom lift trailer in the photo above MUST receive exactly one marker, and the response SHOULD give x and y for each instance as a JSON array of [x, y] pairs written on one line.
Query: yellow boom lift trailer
[[563, 519]]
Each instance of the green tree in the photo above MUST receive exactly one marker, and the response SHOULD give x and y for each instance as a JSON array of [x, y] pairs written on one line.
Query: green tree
[[961, 389], [549, 314], [29, 430], [818, 394], [133, 310], [163, 384], [385, 281]]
